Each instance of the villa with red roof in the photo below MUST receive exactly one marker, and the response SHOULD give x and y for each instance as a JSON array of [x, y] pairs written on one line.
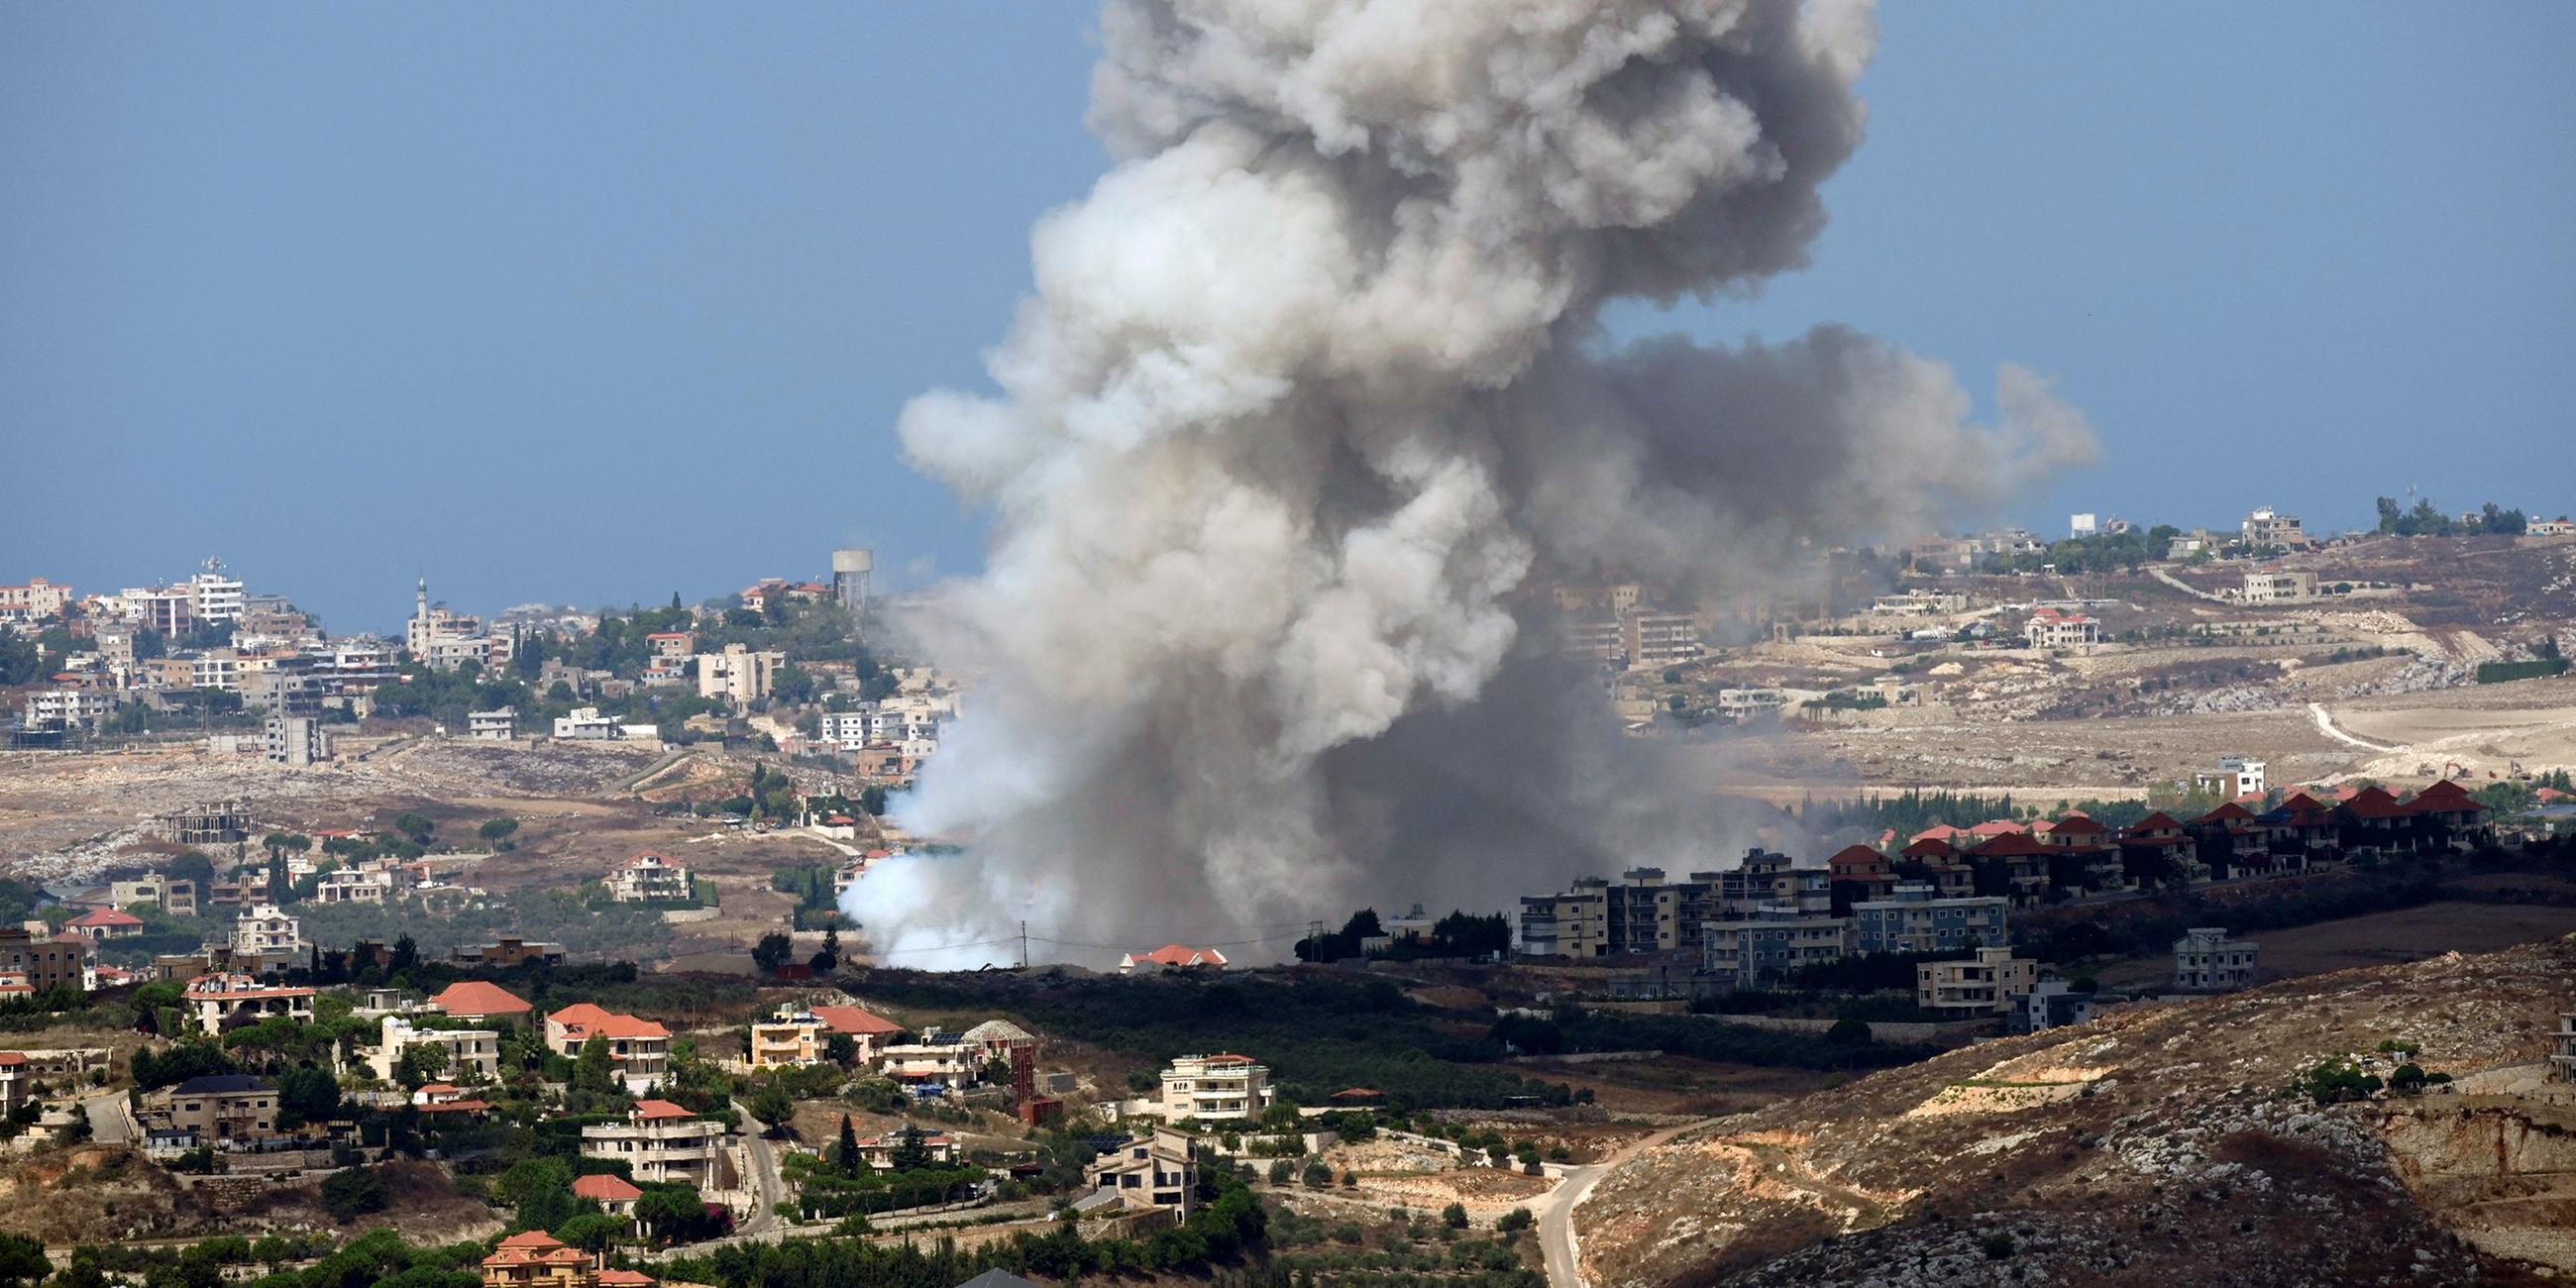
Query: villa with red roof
[[662, 1142], [475, 999], [106, 923], [1171, 957], [2051, 628], [639, 1048], [612, 1193]]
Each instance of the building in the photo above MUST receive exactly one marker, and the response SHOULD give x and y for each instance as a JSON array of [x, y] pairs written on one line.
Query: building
[[500, 725], [612, 1193], [295, 741], [2235, 777], [1639, 913], [177, 898], [650, 878], [739, 675], [2274, 586], [1171, 957], [639, 1049], [585, 724], [2052, 628], [45, 962], [103, 924], [536, 1259], [507, 952], [2265, 528], [935, 1057], [36, 601], [1986, 984], [229, 1000], [870, 1032], [1920, 603], [850, 572], [62, 710], [2558, 527], [475, 999], [1914, 920], [661, 1143], [880, 1152], [1772, 942], [472, 1055], [1158, 1172], [1649, 640], [266, 932], [793, 1036], [2205, 959], [1213, 1088], [2562, 1058], [224, 1110], [2049, 1004]]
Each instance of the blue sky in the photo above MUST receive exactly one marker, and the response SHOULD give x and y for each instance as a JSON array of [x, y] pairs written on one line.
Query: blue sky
[[591, 304]]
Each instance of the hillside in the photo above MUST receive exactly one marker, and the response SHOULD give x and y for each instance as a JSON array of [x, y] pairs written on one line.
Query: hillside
[[2158, 1145]]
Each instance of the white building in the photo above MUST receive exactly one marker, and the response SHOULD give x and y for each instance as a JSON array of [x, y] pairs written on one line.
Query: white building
[[2082, 525], [2205, 958], [2050, 628], [662, 1142], [649, 878], [739, 675], [2263, 527], [68, 708], [500, 725], [221, 1001], [265, 931], [296, 741], [1211, 1088], [2275, 586], [585, 724], [2236, 776], [473, 1055]]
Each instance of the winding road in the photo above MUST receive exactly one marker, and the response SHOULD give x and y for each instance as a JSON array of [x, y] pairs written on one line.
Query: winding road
[[2327, 726], [1556, 1218], [765, 1180]]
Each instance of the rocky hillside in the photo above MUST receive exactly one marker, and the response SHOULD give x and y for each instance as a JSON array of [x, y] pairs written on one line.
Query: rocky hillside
[[2158, 1145]]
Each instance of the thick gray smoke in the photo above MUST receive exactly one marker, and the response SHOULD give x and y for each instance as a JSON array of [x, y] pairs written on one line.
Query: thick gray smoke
[[1310, 383]]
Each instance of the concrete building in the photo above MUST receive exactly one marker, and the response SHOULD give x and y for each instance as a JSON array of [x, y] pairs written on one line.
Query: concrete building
[[739, 675], [175, 897], [499, 725], [585, 724], [661, 1143], [295, 741], [1986, 984], [2235, 777], [36, 601], [1773, 941], [68, 709], [473, 1055], [2274, 586], [1158, 1172], [1914, 920], [649, 878], [229, 1000], [2562, 1057], [935, 1057], [214, 597], [793, 1036], [2049, 1004], [223, 1110], [1213, 1088], [2205, 959], [2052, 628], [2264, 527], [1649, 640], [536, 1259], [265, 931], [45, 962], [881, 1152]]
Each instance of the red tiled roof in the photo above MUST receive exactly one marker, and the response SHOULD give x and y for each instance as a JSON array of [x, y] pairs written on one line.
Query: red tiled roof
[[2014, 845], [2375, 802], [2077, 825], [2159, 821], [108, 917], [1856, 856], [650, 1110], [2231, 812], [604, 1189], [1998, 827], [478, 997], [1183, 955], [1930, 847], [855, 1021], [626, 1279]]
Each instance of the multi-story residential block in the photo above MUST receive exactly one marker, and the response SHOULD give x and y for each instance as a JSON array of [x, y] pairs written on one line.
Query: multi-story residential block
[[662, 1143], [882, 1152], [266, 931], [2264, 527], [2206, 959], [175, 897], [295, 741], [1986, 984], [639, 1049], [226, 1110], [2236, 776], [671, 645], [471, 1055], [792, 1036], [36, 601], [1915, 920], [498, 725], [740, 675], [1213, 1088], [649, 878], [2049, 1004], [935, 1057], [46, 962], [1771, 942], [68, 709], [1158, 1172], [2274, 586], [231, 999], [1649, 639]]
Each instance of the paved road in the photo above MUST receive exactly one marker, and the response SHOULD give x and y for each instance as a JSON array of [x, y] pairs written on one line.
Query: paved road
[[1556, 1217], [108, 1124], [765, 1180], [2185, 587]]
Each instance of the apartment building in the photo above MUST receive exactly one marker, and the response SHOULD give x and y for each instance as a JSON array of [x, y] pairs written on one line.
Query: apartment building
[[1213, 1088], [230, 999], [1158, 1172], [2274, 586], [936, 1057], [1916, 920], [649, 878], [68, 709], [2053, 628], [1649, 640], [227, 1109], [661, 1143], [1771, 942], [2205, 959], [472, 1055], [175, 897], [1986, 984], [265, 931], [295, 741], [2050, 1004], [46, 962], [500, 724], [639, 1049], [739, 675], [793, 1036], [2266, 527], [36, 601]]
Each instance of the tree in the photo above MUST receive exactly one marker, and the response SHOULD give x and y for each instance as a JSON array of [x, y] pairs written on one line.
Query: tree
[[590, 1231], [22, 1260], [310, 1095], [841, 1048], [1514, 1221], [590, 1069], [498, 831], [829, 959], [771, 952], [354, 1192], [872, 798], [415, 825], [772, 1105], [911, 1153], [404, 958], [846, 1156], [421, 1063], [1454, 1216]]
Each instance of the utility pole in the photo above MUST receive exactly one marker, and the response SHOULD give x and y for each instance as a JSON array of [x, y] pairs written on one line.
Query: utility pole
[[1314, 941], [1024, 944]]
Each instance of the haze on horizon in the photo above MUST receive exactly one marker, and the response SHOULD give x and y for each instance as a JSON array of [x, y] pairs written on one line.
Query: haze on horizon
[[604, 311]]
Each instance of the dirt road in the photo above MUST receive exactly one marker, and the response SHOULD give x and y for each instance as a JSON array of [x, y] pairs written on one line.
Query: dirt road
[[1556, 1211]]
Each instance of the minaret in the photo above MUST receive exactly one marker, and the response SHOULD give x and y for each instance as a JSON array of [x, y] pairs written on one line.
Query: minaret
[[423, 611]]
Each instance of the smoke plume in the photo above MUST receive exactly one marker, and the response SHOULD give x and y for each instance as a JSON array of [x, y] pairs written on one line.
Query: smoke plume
[[1313, 380]]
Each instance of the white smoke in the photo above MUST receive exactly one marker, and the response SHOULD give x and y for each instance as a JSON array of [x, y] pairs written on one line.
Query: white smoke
[[1309, 384]]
